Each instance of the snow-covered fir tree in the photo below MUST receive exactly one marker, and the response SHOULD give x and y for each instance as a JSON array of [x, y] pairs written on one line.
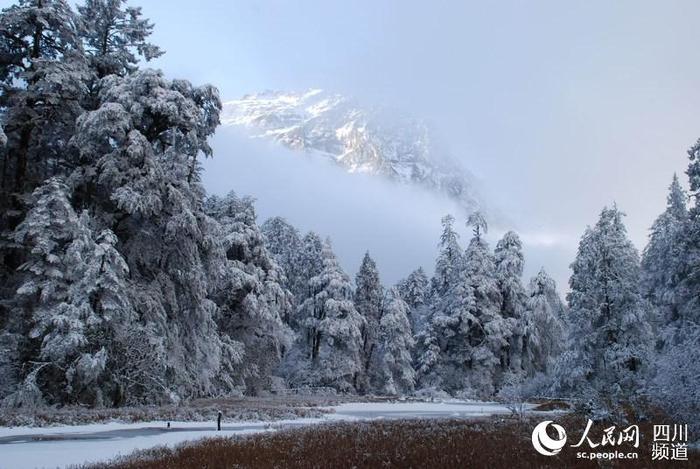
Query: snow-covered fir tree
[[672, 281], [285, 244], [43, 77], [510, 260], [478, 223], [394, 347], [542, 325], [80, 282], [462, 343], [306, 262], [663, 262], [309, 265], [443, 295], [608, 350], [139, 146], [52, 326], [450, 260], [100, 295], [489, 332], [428, 360], [134, 363], [252, 302], [452, 330], [676, 385], [689, 285], [369, 303], [331, 342], [415, 291], [115, 35]]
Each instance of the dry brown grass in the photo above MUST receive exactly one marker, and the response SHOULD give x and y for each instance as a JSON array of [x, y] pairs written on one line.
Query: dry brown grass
[[404, 444]]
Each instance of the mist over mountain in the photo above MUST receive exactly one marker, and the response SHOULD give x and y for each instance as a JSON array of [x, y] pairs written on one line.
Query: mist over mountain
[[354, 170], [398, 223], [361, 139]]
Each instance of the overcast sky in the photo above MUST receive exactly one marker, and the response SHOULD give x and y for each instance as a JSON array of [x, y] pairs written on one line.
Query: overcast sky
[[560, 108]]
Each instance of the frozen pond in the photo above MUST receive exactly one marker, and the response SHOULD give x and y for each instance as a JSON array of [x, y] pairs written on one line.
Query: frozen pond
[[60, 446]]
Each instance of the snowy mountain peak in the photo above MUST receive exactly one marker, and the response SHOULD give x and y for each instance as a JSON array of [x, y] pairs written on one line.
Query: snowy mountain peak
[[361, 139]]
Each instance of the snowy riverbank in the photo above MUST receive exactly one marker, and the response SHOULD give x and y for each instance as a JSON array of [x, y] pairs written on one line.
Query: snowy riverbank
[[61, 446]]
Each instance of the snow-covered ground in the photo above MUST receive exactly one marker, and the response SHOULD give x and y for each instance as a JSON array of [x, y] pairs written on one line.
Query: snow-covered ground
[[60, 446]]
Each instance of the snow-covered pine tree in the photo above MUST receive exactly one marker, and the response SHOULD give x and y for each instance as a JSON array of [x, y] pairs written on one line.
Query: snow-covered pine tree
[[450, 260], [332, 337], [51, 329], [369, 303], [478, 223], [689, 285], [509, 271], [488, 332], [74, 298], [10, 371], [308, 263], [676, 385], [663, 262], [251, 299], [140, 178], [608, 318], [542, 325], [114, 36], [284, 243], [415, 291], [42, 75], [41, 78], [394, 347], [126, 165], [428, 361], [452, 329], [674, 288], [443, 296], [99, 291], [133, 371]]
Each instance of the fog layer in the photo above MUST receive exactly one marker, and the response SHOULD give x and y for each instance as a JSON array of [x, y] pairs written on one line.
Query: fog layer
[[398, 224]]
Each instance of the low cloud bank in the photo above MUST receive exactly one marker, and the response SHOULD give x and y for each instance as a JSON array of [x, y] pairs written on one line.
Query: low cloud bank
[[399, 225]]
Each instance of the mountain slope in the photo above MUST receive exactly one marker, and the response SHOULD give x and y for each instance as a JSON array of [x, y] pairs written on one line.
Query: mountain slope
[[360, 139]]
